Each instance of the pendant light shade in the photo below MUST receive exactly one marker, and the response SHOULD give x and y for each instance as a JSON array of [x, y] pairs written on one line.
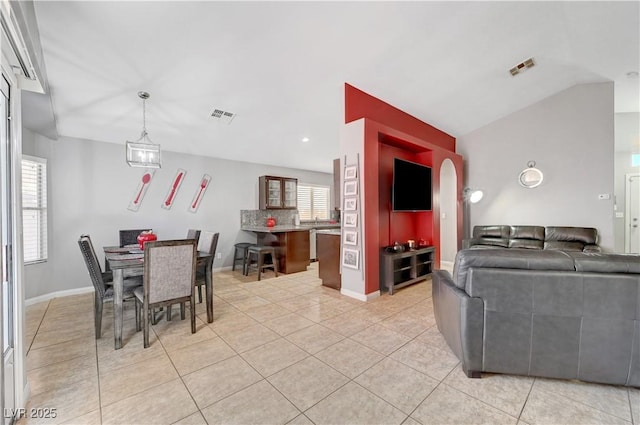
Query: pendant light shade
[[143, 152]]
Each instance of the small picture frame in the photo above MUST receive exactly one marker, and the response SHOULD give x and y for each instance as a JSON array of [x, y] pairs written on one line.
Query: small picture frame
[[351, 187], [351, 258], [350, 237], [350, 204], [350, 220], [350, 172]]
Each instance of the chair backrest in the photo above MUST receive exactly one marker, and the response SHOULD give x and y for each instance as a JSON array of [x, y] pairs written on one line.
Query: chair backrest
[[208, 242], [169, 269], [193, 234], [130, 237], [93, 267], [93, 251]]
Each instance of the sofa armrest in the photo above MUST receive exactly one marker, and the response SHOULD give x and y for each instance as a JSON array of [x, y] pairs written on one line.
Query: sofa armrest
[[460, 320]]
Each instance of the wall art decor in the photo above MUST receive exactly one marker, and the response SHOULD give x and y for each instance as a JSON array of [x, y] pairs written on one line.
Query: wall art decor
[[173, 189], [202, 188], [351, 258], [350, 204], [350, 237], [141, 190], [351, 187], [350, 220], [350, 172]]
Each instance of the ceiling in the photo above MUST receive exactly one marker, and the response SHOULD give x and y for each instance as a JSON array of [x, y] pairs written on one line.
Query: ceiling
[[281, 67]]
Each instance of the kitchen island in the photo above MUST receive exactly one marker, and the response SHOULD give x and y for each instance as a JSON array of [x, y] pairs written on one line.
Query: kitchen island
[[291, 243]]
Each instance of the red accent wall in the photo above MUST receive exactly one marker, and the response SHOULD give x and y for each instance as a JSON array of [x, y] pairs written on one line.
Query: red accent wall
[[391, 133]]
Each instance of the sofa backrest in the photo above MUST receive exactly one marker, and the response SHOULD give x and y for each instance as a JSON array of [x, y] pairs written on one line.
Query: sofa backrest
[[516, 258], [530, 237], [562, 238], [569, 238]]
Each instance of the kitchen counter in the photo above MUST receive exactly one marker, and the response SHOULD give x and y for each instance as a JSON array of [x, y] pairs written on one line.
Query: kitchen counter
[[290, 227], [336, 232]]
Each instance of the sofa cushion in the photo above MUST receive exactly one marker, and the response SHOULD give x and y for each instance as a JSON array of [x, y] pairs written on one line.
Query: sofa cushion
[[498, 232], [527, 232], [606, 263], [516, 258], [586, 235]]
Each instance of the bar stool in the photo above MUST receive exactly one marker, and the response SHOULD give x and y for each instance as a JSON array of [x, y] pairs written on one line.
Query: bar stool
[[241, 248], [260, 251]]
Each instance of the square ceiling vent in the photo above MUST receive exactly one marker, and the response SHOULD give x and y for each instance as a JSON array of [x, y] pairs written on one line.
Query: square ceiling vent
[[223, 116]]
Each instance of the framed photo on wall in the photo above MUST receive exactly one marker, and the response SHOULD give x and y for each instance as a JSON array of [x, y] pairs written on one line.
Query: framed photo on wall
[[350, 237], [351, 187], [351, 258], [350, 204], [350, 172], [350, 220]]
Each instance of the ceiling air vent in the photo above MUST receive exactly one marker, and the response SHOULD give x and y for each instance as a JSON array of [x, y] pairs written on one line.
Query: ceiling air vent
[[521, 67], [223, 116]]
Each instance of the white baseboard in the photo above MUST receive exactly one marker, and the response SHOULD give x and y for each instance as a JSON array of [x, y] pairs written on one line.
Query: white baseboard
[[358, 296], [57, 294], [446, 265]]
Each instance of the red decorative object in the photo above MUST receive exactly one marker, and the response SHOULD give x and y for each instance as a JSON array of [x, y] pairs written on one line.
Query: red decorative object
[[146, 237], [423, 243], [271, 222]]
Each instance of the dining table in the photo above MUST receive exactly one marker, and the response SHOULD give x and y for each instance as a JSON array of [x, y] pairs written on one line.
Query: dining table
[[131, 258]]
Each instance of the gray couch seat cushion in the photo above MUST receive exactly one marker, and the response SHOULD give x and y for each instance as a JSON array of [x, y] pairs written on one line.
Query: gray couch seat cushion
[[516, 258]]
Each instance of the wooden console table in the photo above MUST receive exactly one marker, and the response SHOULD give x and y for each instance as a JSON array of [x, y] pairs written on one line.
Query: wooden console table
[[400, 269]]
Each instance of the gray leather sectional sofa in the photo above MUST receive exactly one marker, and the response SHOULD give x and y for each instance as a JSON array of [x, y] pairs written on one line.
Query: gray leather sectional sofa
[[546, 313], [534, 237]]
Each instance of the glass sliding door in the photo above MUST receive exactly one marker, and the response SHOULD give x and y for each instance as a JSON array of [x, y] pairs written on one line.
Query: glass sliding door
[[7, 374]]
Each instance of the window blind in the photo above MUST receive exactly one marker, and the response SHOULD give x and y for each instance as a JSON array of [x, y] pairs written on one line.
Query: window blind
[[313, 202], [34, 209]]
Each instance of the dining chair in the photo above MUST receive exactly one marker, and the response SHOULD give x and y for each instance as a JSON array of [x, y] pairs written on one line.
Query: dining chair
[[130, 237], [102, 293], [169, 276], [107, 275], [193, 234], [208, 244]]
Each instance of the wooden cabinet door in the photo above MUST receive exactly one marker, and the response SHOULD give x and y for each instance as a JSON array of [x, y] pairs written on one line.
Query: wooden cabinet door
[[274, 193], [290, 194]]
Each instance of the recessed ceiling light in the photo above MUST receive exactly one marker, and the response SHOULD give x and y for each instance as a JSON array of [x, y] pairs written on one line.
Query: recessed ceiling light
[[305, 139]]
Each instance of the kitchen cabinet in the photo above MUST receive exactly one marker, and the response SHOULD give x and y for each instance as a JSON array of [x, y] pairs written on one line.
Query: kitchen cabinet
[[278, 193]]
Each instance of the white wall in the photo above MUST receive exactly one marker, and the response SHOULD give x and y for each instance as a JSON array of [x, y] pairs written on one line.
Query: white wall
[[570, 136], [90, 186], [448, 212]]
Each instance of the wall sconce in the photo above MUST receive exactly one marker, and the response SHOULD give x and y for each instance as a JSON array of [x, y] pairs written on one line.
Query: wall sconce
[[143, 152]]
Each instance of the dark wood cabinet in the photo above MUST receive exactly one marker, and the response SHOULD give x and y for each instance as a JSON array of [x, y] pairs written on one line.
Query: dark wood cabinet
[[278, 193], [292, 248], [398, 270], [329, 259]]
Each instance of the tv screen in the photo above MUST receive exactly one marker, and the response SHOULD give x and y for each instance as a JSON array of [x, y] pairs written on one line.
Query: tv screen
[[411, 190]]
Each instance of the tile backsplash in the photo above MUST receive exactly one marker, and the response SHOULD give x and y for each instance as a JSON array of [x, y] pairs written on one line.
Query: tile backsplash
[[259, 217]]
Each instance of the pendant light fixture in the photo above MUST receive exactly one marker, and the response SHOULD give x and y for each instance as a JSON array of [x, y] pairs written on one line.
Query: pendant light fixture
[[143, 152]]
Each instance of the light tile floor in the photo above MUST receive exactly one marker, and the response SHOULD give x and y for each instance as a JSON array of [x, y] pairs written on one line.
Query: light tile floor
[[287, 350]]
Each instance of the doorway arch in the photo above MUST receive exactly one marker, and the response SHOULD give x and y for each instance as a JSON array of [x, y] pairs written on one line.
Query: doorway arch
[[448, 214]]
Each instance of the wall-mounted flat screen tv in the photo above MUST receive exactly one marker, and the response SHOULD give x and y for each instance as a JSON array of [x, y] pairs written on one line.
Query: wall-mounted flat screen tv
[[411, 190]]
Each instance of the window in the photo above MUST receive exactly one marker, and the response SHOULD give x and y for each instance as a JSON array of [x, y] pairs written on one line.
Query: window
[[635, 159], [313, 202], [34, 208]]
